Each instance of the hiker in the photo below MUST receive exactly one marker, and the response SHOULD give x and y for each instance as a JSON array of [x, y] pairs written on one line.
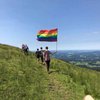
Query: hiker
[[47, 58], [42, 55], [37, 53], [26, 49], [23, 46]]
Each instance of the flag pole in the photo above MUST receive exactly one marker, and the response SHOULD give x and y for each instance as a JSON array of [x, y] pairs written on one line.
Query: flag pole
[[56, 46], [57, 42]]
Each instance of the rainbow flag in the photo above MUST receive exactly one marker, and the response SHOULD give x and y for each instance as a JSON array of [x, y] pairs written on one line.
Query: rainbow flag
[[47, 35]]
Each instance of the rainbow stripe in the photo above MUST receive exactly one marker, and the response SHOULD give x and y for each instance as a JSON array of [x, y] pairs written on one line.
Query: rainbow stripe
[[47, 35]]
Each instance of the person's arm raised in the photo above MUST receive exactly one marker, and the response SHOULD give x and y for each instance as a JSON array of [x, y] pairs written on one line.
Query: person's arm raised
[[53, 53]]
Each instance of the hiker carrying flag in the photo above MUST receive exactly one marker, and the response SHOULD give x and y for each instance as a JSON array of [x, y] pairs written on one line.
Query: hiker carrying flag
[[47, 58]]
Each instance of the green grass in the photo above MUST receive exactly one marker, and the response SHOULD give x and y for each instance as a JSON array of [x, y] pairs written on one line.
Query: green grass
[[20, 75], [82, 81], [23, 78]]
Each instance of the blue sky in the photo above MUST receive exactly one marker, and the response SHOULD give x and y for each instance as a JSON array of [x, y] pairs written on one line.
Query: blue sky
[[78, 23]]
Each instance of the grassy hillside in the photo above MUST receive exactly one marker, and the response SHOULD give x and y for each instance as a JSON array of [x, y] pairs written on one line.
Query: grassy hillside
[[23, 78]]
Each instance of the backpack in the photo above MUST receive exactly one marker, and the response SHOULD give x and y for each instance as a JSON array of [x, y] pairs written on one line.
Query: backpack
[[37, 53], [41, 53], [47, 55]]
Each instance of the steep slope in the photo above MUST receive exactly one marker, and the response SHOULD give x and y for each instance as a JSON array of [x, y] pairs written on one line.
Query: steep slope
[[23, 78]]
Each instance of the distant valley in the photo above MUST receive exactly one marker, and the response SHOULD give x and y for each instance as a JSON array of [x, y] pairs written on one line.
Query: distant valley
[[83, 58]]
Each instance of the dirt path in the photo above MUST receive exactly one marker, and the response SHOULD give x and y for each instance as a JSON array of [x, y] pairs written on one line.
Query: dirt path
[[56, 89]]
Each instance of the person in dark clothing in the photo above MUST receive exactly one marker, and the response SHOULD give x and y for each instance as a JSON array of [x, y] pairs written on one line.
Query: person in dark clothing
[[41, 55], [37, 53], [26, 49]]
